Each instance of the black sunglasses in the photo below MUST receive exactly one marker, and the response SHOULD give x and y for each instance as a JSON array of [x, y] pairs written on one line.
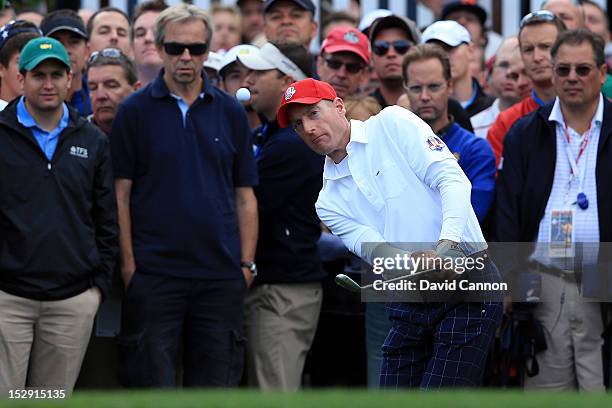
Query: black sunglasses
[[582, 70], [382, 47], [351, 67], [111, 53], [174, 48], [536, 16]]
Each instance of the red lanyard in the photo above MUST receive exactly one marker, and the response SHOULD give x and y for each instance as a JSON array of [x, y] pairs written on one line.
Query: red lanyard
[[583, 145]]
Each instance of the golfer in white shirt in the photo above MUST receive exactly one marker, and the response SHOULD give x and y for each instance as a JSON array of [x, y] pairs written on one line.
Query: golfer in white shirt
[[391, 179]]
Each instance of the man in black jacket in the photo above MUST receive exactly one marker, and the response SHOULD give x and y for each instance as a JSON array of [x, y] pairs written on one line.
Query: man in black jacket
[[553, 190], [282, 308], [58, 226]]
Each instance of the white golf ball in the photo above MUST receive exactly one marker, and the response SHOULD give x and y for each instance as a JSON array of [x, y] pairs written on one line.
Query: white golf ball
[[243, 95]]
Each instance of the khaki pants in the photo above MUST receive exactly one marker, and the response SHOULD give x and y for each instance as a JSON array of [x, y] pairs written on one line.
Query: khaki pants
[[42, 343], [280, 323], [573, 330]]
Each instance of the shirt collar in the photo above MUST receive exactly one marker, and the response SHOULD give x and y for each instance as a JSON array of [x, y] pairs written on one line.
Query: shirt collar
[[358, 133], [24, 117], [178, 98], [333, 171], [557, 116], [442, 132], [160, 89], [476, 91]]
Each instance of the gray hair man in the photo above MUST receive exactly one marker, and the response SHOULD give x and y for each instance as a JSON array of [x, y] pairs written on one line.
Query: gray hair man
[[184, 174]]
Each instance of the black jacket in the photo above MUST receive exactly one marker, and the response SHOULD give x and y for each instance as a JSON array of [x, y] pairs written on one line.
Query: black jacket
[[58, 219], [525, 181], [482, 101], [290, 178]]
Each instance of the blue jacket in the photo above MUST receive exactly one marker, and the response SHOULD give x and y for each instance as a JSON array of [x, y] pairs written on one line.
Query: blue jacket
[[290, 178], [477, 160]]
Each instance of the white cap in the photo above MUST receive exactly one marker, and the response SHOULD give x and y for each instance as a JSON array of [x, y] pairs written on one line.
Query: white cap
[[270, 57], [449, 32], [214, 61], [369, 18], [232, 54]]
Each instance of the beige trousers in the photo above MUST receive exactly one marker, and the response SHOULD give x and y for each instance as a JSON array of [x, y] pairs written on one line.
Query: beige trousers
[[280, 324], [573, 329], [42, 343]]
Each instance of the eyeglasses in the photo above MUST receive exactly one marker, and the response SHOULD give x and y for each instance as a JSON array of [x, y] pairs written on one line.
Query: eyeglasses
[[582, 70], [174, 48], [107, 52], [351, 67], [431, 88], [382, 47], [536, 16]]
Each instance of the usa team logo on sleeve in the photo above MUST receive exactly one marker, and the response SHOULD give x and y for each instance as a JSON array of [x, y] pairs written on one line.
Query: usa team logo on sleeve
[[434, 143]]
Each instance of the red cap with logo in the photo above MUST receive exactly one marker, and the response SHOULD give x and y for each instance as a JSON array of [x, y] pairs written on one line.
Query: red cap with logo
[[347, 39], [305, 92]]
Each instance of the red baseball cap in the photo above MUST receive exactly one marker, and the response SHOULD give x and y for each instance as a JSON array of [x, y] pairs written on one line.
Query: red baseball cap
[[306, 92], [347, 39]]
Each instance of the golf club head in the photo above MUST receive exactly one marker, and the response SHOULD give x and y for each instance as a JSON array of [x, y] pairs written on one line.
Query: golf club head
[[347, 283]]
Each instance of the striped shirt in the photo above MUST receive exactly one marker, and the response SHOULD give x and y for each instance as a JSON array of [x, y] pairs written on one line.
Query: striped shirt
[[563, 193]]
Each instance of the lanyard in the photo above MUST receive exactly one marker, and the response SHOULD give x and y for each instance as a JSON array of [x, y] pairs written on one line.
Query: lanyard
[[472, 99], [581, 198], [260, 143], [536, 98], [583, 145]]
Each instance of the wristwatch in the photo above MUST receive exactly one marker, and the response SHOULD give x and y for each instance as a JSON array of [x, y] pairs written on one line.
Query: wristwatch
[[250, 266]]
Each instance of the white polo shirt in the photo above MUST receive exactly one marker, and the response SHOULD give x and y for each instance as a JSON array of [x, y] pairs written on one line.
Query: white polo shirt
[[398, 183]]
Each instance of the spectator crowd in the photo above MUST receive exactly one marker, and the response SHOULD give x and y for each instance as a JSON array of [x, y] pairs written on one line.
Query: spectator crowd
[[142, 162]]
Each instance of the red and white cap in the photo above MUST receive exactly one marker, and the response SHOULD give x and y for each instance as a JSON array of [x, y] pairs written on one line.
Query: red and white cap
[[305, 92], [347, 39]]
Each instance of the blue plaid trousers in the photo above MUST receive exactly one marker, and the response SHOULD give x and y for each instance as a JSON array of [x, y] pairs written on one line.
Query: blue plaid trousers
[[437, 345]]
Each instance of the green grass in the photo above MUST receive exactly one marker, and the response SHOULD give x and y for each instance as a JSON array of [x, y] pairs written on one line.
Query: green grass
[[321, 399]]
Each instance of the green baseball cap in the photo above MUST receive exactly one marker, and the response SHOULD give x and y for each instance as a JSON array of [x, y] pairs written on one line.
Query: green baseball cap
[[40, 49]]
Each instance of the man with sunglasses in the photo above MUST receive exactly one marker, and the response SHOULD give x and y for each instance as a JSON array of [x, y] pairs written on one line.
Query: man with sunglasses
[[456, 41], [390, 38], [344, 58], [184, 171], [556, 171], [111, 77], [537, 34]]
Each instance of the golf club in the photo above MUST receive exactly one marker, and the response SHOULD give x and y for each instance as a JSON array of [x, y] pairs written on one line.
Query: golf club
[[349, 284]]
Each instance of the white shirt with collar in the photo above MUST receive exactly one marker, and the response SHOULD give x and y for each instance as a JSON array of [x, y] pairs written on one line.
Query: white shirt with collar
[[585, 222], [399, 183], [482, 121]]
